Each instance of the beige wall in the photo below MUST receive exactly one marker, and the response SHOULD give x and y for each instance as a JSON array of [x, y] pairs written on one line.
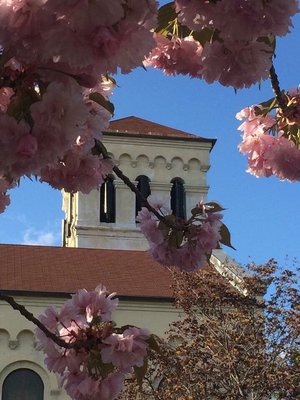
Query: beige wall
[[17, 341]]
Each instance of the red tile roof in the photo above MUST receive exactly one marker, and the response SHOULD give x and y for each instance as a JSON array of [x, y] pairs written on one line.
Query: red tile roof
[[65, 270], [138, 126]]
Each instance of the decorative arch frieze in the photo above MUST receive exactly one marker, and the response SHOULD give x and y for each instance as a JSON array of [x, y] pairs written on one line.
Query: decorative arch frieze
[[194, 164]]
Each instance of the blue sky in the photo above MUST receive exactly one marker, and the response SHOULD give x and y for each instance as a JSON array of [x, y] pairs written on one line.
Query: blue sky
[[262, 214]]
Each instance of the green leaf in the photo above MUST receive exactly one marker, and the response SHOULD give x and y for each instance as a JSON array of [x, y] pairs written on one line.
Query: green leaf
[[102, 101], [19, 107], [204, 36], [196, 211], [266, 106], [140, 372], [225, 236], [175, 238], [166, 14], [212, 207], [215, 207]]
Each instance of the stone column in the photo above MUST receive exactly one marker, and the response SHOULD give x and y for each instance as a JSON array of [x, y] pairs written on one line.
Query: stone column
[[163, 189], [125, 205], [88, 208]]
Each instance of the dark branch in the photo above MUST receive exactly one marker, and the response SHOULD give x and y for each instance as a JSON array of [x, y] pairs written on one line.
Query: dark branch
[[281, 99], [56, 339], [30, 317]]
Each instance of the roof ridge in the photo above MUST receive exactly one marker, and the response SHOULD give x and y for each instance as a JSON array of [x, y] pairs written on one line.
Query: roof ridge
[[140, 126]]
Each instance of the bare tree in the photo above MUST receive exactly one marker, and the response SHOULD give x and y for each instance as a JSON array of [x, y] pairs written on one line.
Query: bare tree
[[233, 343]]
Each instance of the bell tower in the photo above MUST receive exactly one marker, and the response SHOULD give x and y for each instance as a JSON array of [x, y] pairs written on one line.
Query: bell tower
[[159, 160]]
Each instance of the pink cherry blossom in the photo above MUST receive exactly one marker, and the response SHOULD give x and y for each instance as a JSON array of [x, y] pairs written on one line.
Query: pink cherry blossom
[[82, 387], [11, 134], [236, 64], [195, 251], [99, 37], [256, 121], [198, 240], [50, 317], [127, 349], [85, 16], [58, 145], [77, 172], [27, 146], [196, 14], [284, 160], [148, 222], [238, 19], [248, 20], [277, 16], [269, 154], [160, 203], [110, 387], [86, 319], [59, 119], [258, 147], [176, 56], [94, 303], [256, 140]]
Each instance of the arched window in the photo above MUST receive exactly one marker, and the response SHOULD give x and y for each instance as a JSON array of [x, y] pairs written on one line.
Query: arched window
[[143, 185], [178, 198], [107, 200], [23, 384]]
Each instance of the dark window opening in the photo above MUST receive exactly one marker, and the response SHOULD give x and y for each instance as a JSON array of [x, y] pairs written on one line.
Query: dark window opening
[[178, 198], [143, 185], [107, 200], [23, 384]]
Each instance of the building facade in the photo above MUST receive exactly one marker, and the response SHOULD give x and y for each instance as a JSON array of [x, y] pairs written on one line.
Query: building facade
[[101, 244]]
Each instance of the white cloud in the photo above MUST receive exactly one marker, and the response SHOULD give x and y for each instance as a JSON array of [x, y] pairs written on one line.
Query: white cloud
[[16, 218], [44, 238]]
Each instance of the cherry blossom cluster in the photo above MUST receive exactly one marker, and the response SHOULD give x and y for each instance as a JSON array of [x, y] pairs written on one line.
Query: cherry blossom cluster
[[271, 137], [176, 56], [229, 41], [184, 244], [54, 93], [95, 369]]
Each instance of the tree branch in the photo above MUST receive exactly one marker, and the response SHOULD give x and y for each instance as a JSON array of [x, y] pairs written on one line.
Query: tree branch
[[56, 339], [276, 89]]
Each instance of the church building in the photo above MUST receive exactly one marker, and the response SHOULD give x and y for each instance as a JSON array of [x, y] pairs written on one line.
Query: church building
[[102, 244]]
